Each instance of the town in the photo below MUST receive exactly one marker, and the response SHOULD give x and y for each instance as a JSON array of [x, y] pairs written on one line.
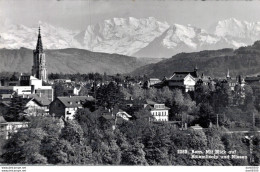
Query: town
[[141, 120]]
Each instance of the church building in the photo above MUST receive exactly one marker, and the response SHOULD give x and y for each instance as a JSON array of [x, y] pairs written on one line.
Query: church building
[[39, 69]]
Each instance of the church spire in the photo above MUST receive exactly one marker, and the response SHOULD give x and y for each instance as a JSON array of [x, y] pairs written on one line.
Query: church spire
[[228, 75], [39, 48]]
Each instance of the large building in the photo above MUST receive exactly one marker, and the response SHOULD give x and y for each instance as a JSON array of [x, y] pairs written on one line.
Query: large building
[[32, 84], [28, 85], [181, 80], [39, 69]]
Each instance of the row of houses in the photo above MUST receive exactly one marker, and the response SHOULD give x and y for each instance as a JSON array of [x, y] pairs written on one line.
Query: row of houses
[[187, 80]]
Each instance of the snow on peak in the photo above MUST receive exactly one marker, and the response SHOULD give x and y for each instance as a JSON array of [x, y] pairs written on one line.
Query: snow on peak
[[121, 35], [239, 29], [130, 35]]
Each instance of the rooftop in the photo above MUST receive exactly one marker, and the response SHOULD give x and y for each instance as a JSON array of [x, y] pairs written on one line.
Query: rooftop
[[74, 101], [2, 120]]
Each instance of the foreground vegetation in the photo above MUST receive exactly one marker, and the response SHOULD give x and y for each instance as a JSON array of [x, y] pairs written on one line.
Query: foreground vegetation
[[86, 141]]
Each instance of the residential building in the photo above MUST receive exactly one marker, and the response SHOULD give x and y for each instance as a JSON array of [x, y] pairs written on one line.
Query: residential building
[[158, 110], [110, 118], [36, 105], [196, 127], [181, 80], [8, 128], [66, 107], [252, 79], [151, 82]]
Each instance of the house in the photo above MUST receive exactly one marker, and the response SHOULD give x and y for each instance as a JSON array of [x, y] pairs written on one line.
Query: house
[[36, 105], [151, 82], [8, 128], [66, 107], [196, 127], [252, 79], [158, 110], [182, 80], [76, 90], [110, 118]]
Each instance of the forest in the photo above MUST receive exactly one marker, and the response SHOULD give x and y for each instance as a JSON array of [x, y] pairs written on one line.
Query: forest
[[87, 140]]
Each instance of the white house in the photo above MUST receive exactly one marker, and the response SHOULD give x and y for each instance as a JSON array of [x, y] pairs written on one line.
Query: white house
[[159, 111]]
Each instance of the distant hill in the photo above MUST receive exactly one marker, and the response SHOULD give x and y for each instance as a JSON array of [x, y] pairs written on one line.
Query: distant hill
[[70, 60], [244, 61]]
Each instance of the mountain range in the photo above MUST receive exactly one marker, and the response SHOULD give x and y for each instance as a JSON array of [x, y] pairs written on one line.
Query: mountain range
[[215, 63], [70, 60], [144, 37]]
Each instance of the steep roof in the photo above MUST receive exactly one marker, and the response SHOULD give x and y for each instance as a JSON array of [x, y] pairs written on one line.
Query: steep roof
[[252, 78], [6, 96], [193, 73], [2, 120], [150, 102], [39, 48], [150, 108], [180, 76], [41, 100], [74, 101]]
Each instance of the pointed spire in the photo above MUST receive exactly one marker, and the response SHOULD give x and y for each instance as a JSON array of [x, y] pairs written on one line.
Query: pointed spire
[[39, 48], [228, 76]]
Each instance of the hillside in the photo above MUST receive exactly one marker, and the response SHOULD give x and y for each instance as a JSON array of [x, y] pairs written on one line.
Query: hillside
[[244, 61], [69, 61]]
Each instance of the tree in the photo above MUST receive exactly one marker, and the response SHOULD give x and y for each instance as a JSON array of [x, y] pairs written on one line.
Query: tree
[[109, 95], [235, 142], [134, 155], [181, 106], [24, 147], [16, 110], [202, 93], [83, 91], [205, 115], [72, 132], [221, 96]]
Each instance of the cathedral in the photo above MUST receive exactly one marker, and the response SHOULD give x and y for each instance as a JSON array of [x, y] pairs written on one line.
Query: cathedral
[[39, 69]]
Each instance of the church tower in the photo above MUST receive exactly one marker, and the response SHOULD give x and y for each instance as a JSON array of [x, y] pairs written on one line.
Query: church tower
[[39, 69]]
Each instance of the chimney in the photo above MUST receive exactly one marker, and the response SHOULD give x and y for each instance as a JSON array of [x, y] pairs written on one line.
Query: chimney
[[40, 95]]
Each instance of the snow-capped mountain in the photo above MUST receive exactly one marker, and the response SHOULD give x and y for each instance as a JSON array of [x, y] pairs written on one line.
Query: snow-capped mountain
[[241, 33], [120, 35], [145, 37], [16, 36]]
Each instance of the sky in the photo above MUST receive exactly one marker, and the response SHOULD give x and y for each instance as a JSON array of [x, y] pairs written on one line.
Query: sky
[[77, 14]]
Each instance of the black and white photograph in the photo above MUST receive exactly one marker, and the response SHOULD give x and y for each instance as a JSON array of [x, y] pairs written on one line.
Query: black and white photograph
[[161, 83]]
